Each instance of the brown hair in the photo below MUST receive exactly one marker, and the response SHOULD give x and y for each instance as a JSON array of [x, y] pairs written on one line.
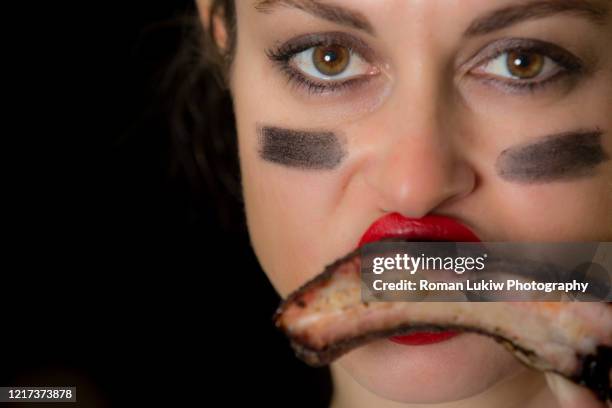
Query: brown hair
[[200, 111], [204, 134]]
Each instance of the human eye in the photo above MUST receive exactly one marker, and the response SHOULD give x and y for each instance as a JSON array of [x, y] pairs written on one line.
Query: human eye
[[526, 65], [326, 62]]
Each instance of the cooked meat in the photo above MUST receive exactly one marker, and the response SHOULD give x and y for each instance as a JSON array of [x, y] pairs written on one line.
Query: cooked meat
[[326, 317]]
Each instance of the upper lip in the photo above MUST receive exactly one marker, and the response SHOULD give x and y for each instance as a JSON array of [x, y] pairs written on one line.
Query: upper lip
[[428, 228]]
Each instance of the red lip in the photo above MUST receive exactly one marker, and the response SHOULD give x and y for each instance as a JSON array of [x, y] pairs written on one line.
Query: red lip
[[424, 338], [428, 228]]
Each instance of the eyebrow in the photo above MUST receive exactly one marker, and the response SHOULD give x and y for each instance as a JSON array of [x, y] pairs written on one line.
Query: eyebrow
[[336, 14], [507, 16]]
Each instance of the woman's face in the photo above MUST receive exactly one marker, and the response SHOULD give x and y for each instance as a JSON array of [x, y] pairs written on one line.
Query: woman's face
[[495, 113]]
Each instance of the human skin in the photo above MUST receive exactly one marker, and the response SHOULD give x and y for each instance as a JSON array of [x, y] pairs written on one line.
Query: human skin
[[422, 137]]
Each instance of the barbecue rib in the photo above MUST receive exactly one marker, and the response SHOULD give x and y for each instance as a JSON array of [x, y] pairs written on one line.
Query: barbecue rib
[[326, 318]]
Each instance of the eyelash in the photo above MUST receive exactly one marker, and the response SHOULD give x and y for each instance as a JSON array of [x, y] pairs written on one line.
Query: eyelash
[[282, 55], [300, 80], [570, 65]]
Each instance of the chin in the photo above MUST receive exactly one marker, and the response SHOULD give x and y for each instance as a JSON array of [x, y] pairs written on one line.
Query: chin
[[451, 370]]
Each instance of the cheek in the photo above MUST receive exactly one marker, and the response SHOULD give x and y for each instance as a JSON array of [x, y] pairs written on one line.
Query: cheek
[[281, 222], [293, 215], [287, 215], [574, 210], [580, 210], [563, 211]]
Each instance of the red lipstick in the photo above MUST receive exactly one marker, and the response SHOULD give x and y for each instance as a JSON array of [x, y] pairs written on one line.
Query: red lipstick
[[424, 338], [428, 228]]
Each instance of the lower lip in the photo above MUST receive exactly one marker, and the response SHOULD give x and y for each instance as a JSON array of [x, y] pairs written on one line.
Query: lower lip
[[424, 338]]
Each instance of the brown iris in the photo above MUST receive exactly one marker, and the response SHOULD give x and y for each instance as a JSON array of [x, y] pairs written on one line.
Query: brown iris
[[330, 59], [525, 65]]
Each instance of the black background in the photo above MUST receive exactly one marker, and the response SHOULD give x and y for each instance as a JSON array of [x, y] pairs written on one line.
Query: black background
[[117, 278]]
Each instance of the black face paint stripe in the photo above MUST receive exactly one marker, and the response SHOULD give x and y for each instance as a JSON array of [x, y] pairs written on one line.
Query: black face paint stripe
[[303, 149], [559, 157]]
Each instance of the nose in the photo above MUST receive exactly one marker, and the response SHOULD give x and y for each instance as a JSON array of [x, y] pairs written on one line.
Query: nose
[[417, 164]]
